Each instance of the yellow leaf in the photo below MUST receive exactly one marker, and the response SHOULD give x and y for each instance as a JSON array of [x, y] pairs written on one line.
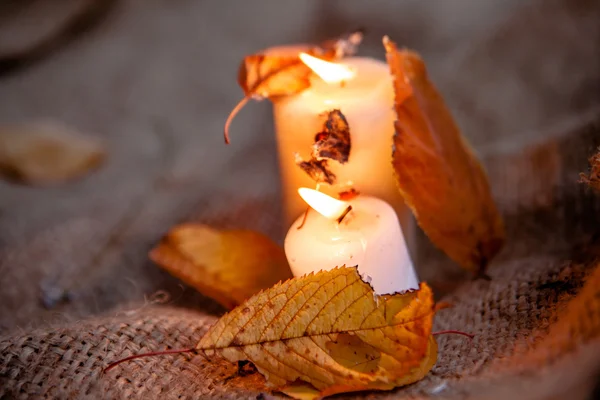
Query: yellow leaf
[[438, 175], [229, 266], [47, 153], [331, 331]]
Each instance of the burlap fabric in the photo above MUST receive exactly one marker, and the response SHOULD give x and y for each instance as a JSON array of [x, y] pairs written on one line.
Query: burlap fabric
[[78, 292]]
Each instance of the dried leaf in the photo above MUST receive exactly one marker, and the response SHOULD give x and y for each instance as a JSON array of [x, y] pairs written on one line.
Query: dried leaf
[[47, 153], [230, 265], [331, 331], [593, 179], [318, 170], [438, 175], [334, 141], [279, 72]]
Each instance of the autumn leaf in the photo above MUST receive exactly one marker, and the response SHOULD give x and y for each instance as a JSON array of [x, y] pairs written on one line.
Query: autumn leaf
[[279, 72], [438, 175], [593, 178], [229, 265], [47, 153], [331, 331]]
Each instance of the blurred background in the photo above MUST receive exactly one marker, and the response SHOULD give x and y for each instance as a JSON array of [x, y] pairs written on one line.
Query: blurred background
[[154, 80]]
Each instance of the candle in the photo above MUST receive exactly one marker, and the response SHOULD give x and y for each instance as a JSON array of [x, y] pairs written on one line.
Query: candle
[[365, 96], [368, 236]]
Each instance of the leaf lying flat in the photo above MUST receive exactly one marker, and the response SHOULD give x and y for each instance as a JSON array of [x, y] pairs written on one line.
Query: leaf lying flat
[[230, 266], [47, 153], [330, 330], [439, 177]]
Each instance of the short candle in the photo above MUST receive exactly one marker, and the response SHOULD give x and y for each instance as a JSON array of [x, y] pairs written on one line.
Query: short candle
[[368, 236]]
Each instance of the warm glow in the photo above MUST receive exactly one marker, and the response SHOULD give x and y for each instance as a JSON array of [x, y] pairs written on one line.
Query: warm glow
[[325, 205], [328, 71]]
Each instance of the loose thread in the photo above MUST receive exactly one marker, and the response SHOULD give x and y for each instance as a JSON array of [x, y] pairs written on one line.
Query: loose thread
[[153, 353]]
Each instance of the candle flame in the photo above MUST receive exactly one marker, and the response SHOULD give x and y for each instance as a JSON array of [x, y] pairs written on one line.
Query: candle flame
[[328, 71], [325, 205]]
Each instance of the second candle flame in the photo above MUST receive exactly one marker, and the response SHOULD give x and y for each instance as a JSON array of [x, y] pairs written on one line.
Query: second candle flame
[[325, 205], [328, 71]]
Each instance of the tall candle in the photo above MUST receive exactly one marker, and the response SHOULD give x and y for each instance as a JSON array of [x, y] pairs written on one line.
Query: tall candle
[[366, 100], [369, 237]]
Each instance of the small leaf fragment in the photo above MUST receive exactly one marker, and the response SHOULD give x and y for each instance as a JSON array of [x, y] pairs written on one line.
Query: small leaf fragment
[[438, 175], [318, 170], [330, 331], [229, 265], [334, 141], [47, 153], [593, 178]]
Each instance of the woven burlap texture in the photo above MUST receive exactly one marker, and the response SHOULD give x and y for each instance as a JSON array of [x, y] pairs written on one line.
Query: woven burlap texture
[[77, 289]]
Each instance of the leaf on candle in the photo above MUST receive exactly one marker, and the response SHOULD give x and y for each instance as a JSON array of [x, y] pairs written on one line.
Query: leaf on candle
[[279, 71], [593, 178], [329, 333], [228, 265], [334, 141], [318, 170], [438, 175], [47, 153]]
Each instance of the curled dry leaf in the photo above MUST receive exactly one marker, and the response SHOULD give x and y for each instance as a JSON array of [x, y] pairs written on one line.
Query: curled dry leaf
[[332, 143], [330, 331], [438, 175], [47, 153], [593, 179], [228, 265], [279, 72]]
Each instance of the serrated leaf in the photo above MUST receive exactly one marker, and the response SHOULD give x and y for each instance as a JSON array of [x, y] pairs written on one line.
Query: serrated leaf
[[438, 175], [331, 331], [228, 265]]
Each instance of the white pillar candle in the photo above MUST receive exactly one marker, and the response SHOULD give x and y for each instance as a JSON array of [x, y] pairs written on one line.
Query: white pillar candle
[[366, 99], [369, 237]]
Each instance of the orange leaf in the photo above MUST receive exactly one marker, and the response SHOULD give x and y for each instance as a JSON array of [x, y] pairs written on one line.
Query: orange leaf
[[278, 71], [230, 266], [329, 330], [439, 177]]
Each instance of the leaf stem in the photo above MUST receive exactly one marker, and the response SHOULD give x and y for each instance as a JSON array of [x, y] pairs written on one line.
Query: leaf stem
[[153, 353], [453, 332], [232, 115]]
